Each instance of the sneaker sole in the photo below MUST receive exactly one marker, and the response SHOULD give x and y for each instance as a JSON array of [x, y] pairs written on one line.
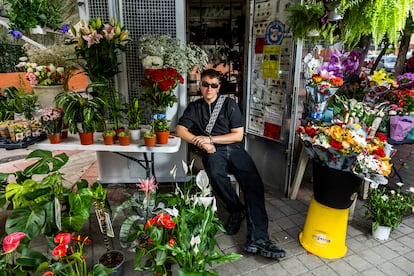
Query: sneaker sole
[[263, 252]]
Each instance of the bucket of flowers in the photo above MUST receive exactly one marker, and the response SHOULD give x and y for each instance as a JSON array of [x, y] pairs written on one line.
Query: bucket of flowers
[[175, 228]]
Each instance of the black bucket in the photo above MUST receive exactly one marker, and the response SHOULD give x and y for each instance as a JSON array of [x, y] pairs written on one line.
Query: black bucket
[[334, 188]]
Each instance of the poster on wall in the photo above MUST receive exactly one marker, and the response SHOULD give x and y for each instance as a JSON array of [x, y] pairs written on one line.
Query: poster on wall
[[270, 73]]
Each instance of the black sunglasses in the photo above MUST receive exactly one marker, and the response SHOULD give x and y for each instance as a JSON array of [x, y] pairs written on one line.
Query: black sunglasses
[[206, 84]]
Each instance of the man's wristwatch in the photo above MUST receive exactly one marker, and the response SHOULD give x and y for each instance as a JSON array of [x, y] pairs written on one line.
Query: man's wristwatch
[[211, 140]]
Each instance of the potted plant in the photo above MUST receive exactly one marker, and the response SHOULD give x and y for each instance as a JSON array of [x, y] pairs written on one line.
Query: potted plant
[[124, 138], [114, 106], [109, 137], [183, 221], [29, 14], [113, 259], [387, 208], [305, 19], [51, 120], [133, 113], [150, 138], [82, 113], [162, 130]]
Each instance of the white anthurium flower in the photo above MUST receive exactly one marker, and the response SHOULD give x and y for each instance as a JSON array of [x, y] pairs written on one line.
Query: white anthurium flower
[[392, 192], [214, 207], [196, 250], [399, 184], [202, 180], [384, 197], [191, 165], [185, 167], [173, 171], [205, 201], [373, 185], [411, 189]]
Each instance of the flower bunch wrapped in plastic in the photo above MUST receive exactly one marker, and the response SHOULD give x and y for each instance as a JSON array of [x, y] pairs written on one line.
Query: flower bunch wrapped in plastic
[[348, 147]]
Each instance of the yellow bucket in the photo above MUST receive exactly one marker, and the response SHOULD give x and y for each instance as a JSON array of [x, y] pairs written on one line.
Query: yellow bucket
[[324, 232]]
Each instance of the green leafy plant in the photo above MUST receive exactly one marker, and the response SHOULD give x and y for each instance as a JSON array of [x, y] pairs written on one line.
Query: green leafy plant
[[81, 109], [25, 14], [388, 207], [150, 134], [133, 113], [182, 232], [109, 132], [161, 124], [304, 18], [10, 103], [123, 134]]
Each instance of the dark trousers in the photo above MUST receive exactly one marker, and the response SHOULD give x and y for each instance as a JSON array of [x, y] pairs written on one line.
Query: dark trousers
[[234, 159]]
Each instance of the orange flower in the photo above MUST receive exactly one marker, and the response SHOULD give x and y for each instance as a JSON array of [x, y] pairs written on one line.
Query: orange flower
[[317, 78], [337, 81]]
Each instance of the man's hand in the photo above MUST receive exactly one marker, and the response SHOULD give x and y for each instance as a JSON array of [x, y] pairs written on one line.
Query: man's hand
[[209, 148], [199, 141]]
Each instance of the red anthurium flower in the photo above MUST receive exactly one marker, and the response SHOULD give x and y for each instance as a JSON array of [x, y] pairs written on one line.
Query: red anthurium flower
[[150, 222], [335, 144], [79, 238], [59, 251], [172, 242], [12, 241], [63, 238], [48, 273], [165, 221]]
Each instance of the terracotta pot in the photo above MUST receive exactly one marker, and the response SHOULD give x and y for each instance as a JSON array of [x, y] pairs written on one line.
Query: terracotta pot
[[54, 138], [109, 140], [86, 138], [162, 137], [124, 140], [119, 130], [150, 141]]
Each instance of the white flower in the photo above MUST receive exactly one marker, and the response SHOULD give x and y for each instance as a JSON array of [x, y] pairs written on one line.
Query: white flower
[[195, 240], [205, 201], [173, 171], [384, 197], [153, 62], [185, 167], [399, 184], [202, 181], [172, 211]]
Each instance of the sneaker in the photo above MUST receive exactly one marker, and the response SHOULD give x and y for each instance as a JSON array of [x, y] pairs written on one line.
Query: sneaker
[[233, 223], [266, 248]]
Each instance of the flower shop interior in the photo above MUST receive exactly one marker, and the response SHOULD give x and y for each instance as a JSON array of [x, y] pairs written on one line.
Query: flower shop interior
[[320, 102]]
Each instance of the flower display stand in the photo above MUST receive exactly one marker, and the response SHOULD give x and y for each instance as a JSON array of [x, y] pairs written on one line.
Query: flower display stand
[[324, 233], [334, 191]]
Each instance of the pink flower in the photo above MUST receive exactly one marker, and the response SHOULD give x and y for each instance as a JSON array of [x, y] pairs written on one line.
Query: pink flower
[[12, 241], [147, 185], [93, 38]]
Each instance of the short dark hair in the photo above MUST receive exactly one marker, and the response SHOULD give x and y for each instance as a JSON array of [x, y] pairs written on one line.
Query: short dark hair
[[211, 73]]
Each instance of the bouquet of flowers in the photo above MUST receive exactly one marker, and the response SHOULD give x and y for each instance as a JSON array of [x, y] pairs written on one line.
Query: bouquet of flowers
[[163, 51], [159, 87], [400, 101], [98, 44], [51, 119], [348, 148], [45, 75]]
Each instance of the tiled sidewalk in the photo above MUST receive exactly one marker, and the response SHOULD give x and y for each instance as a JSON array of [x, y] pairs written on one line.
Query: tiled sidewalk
[[365, 256]]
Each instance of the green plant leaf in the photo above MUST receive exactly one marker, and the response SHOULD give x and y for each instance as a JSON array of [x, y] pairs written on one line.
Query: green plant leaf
[[23, 219]]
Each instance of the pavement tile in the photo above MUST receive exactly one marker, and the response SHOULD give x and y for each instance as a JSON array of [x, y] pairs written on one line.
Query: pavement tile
[[360, 264], [342, 268], [405, 264]]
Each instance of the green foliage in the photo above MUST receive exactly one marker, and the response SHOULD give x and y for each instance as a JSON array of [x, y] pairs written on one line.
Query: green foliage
[[387, 208], [10, 103], [133, 113], [85, 110], [25, 14], [304, 18], [161, 124]]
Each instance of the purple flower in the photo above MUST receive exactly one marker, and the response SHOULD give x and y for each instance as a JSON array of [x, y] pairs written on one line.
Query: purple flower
[[65, 28], [16, 34]]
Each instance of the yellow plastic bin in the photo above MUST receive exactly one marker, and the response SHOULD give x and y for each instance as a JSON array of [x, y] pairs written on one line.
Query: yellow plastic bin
[[324, 233]]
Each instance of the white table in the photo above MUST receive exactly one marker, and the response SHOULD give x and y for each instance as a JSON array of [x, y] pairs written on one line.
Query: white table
[[146, 162]]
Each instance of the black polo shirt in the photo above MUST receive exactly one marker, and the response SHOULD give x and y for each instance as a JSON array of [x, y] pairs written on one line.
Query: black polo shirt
[[197, 114]]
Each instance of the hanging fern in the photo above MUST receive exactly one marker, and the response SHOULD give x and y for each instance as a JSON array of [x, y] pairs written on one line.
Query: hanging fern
[[378, 18]]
